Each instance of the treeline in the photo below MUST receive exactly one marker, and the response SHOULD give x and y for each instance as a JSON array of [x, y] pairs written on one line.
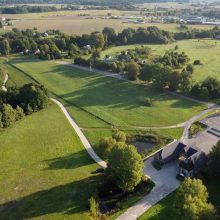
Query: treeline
[[81, 2], [31, 41], [18, 102], [23, 9]]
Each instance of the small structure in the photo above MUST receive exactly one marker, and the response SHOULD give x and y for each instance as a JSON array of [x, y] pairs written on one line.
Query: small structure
[[192, 161], [169, 153], [217, 37]]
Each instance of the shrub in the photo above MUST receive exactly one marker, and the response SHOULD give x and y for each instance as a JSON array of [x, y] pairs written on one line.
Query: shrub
[[105, 146], [197, 62], [19, 113], [148, 101], [119, 136], [94, 207], [8, 116]]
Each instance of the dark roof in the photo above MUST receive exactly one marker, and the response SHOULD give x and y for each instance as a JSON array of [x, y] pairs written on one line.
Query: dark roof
[[172, 149], [195, 162]]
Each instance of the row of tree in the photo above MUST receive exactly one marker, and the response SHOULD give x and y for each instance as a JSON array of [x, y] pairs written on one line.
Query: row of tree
[[24, 9], [31, 40]]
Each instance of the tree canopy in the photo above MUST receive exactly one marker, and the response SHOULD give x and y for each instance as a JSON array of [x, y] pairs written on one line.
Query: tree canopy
[[125, 167], [191, 201]]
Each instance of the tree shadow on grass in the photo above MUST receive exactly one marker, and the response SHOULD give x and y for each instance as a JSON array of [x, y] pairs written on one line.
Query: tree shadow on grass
[[69, 161], [71, 198]]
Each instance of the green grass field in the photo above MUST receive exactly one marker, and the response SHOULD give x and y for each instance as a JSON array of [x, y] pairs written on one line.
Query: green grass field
[[208, 51], [116, 102], [45, 171]]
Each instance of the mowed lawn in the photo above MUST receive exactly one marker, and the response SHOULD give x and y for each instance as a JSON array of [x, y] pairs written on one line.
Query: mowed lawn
[[206, 50], [116, 102], [45, 171]]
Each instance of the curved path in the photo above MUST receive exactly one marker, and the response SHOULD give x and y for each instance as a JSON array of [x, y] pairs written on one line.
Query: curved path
[[77, 129], [81, 136], [4, 83]]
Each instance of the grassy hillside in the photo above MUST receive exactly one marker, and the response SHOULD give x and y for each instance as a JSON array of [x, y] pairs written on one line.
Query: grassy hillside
[[114, 101], [45, 171], [208, 51]]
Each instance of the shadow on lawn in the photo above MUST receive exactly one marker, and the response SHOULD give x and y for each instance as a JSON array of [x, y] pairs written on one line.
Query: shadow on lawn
[[70, 198], [99, 90], [70, 161]]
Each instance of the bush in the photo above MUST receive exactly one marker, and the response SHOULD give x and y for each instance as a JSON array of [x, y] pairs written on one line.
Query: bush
[[8, 115], [148, 102], [197, 62], [119, 136], [105, 146], [94, 207]]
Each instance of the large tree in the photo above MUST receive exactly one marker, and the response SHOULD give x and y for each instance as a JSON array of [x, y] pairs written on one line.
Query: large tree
[[97, 40], [125, 167], [191, 201], [133, 70]]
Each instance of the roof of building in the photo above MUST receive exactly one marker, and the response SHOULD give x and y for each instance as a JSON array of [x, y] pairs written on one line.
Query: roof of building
[[173, 148]]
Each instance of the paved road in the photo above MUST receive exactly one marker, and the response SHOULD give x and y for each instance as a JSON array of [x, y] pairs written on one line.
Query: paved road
[[4, 83], [195, 118], [82, 137]]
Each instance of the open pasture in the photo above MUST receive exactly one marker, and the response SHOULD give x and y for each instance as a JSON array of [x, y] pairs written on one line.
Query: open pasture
[[115, 102], [208, 51], [45, 169]]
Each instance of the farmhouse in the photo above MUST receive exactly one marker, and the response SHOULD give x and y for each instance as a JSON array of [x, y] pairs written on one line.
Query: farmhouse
[[190, 158], [192, 154]]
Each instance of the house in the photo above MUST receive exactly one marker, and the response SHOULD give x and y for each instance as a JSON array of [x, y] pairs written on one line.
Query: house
[[192, 161], [169, 153]]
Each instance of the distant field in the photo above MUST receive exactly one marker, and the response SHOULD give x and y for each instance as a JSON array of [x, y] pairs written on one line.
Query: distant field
[[70, 22], [116, 102], [45, 171], [208, 51]]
